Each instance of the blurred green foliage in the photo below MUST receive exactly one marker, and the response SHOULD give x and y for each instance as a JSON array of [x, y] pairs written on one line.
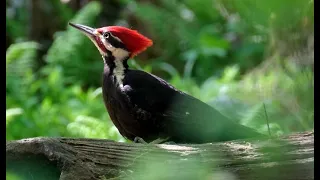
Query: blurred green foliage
[[76, 55], [234, 55]]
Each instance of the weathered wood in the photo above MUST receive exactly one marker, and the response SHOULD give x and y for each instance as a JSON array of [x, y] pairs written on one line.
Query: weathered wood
[[290, 157]]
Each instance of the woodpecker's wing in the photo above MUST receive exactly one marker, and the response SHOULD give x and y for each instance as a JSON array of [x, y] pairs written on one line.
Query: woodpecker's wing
[[179, 112]]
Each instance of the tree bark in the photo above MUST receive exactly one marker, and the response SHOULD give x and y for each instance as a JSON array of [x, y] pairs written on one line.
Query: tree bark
[[289, 157]]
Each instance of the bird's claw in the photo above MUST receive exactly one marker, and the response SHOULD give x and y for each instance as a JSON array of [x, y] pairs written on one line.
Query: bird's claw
[[139, 140], [160, 140], [156, 141]]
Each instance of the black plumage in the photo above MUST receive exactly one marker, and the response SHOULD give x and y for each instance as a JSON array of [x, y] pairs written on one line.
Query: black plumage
[[148, 107]]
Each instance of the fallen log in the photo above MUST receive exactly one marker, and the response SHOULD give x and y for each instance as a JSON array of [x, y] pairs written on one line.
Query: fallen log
[[288, 157]]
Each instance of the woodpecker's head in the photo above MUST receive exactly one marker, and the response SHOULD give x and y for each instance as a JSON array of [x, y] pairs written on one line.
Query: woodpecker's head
[[116, 41]]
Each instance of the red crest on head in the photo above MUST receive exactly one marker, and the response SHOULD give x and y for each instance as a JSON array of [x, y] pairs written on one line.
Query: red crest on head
[[134, 41]]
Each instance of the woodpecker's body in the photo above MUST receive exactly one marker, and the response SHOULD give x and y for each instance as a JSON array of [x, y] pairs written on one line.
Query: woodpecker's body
[[142, 105]]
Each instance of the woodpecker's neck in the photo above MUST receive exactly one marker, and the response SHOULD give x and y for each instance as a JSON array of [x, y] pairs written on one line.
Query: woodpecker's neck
[[116, 66]]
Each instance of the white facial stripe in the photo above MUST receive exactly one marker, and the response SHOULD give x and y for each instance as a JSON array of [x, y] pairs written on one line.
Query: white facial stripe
[[115, 37], [119, 54], [106, 43]]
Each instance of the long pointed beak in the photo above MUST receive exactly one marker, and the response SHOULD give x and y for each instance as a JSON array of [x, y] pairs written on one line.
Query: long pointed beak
[[90, 32]]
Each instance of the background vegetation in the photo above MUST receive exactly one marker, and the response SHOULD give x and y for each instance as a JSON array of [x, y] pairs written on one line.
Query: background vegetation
[[252, 60]]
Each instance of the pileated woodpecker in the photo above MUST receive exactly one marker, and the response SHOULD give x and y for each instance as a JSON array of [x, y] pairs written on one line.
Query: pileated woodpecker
[[144, 107]]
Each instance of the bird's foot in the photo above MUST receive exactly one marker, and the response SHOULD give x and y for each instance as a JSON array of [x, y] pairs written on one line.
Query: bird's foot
[[160, 141], [139, 140], [156, 141]]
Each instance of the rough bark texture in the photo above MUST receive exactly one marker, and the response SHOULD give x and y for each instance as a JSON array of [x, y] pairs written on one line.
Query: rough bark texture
[[290, 157]]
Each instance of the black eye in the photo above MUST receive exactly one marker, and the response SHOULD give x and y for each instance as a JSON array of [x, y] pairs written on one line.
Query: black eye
[[106, 34]]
